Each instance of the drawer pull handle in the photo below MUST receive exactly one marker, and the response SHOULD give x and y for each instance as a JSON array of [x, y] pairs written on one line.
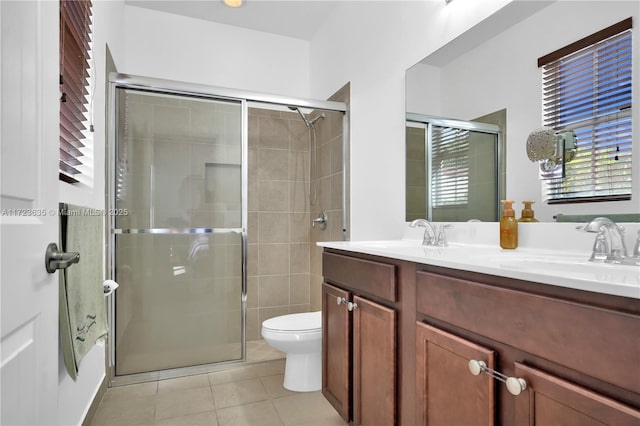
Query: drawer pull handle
[[350, 305], [515, 385]]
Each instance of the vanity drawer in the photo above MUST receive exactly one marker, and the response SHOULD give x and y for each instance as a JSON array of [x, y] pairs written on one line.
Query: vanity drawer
[[374, 278], [597, 342]]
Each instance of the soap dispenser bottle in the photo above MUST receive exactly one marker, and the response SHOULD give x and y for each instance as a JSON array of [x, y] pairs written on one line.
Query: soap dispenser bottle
[[527, 213], [508, 226]]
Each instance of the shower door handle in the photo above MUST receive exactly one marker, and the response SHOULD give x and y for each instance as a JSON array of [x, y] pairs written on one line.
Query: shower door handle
[[54, 259]]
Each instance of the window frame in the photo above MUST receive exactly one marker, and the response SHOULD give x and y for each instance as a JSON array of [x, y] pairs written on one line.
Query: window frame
[[593, 121]]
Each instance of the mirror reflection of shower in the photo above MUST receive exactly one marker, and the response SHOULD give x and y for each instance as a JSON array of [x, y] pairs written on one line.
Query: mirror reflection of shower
[[313, 154]]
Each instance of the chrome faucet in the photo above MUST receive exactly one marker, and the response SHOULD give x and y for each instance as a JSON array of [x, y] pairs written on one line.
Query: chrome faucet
[[432, 236], [609, 246]]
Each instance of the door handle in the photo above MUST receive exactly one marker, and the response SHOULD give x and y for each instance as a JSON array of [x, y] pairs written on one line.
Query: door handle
[[54, 259]]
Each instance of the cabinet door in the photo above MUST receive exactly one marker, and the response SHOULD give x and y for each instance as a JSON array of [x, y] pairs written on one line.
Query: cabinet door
[[335, 349], [446, 392], [553, 401], [374, 363]]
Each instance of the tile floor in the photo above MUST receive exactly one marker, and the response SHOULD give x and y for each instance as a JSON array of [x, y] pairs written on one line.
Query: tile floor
[[251, 394]]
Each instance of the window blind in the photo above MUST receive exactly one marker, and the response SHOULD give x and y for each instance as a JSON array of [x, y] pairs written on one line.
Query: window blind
[[588, 91], [450, 166], [75, 39]]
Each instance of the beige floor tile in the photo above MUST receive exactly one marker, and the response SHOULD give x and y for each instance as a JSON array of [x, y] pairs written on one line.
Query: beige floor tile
[[273, 385], [208, 418], [183, 402], [269, 368], [137, 410], [259, 350], [131, 391], [255, 414], [309, 408], [232, 375], [240, 392], [183, 383]]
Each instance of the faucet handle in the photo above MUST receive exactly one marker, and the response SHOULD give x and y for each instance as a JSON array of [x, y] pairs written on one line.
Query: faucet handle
[[600, 247], [442, 235], [636, 248]]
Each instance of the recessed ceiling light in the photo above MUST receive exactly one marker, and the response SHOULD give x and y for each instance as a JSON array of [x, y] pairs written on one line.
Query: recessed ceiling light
[[233, 3]]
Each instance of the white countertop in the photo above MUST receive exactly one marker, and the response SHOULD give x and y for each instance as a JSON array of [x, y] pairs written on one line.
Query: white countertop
[[569, 269]]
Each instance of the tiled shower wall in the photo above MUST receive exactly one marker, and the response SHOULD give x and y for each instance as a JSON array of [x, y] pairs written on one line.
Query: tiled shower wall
[[416, 196], [278, 233], [330, 198], [284, 264]]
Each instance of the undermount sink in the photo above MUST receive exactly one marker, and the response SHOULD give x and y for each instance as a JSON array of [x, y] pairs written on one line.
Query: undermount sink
[[572, 265], [537, 257], [387, 243]]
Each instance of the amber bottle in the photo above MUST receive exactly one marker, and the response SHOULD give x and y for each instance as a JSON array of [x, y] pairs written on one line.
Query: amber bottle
[[508, 227]]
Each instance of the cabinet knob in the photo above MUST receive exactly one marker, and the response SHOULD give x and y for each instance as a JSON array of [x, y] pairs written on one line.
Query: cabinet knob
[[515, 385], [476, 367], [350, 305]]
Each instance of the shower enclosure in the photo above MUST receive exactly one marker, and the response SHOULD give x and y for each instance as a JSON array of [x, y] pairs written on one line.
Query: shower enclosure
[[454, 169], [186, 244]]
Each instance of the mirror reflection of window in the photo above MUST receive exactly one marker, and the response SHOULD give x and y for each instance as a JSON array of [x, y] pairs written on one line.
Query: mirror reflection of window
[[450, 164]]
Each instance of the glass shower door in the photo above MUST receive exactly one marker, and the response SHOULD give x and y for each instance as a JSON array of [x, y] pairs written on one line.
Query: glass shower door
[[178, 235]]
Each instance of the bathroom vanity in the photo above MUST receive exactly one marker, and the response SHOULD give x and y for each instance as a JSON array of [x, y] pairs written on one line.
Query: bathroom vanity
[[412, 336]]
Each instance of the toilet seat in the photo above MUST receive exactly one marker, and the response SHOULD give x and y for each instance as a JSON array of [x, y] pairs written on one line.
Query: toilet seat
[[307, 322]]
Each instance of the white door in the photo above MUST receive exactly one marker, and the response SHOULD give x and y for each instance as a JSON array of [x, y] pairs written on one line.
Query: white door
[[28, 199]]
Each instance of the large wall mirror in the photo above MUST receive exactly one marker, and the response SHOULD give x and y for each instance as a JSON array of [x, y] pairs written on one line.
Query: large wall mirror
[[491, 71]]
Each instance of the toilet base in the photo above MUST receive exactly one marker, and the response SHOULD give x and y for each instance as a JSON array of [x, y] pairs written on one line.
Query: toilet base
[[303, 372]]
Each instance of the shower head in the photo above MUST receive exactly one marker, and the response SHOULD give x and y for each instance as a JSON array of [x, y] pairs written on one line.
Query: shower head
[[292, 108], [308, 122]]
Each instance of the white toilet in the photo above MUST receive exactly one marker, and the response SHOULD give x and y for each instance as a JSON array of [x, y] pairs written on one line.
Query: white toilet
[[300, 337]]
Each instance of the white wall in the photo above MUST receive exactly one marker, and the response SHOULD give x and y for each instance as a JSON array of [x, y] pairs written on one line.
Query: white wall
[[503, 73], [173, 47], [371, 44], [75, 398]]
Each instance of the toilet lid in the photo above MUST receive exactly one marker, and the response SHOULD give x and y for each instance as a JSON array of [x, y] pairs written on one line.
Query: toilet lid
[[295, 322]]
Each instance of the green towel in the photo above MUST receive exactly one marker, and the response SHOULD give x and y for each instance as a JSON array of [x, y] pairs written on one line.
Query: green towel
[[83, 318]]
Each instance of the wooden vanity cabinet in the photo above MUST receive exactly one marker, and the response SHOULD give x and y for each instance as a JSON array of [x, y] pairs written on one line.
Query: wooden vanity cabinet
[[402, 356], [446, 393], [552, 400], [336, 350], [569, 354], [359, 339]]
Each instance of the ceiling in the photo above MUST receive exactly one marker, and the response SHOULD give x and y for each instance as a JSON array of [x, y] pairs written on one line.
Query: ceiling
[[292, 18]]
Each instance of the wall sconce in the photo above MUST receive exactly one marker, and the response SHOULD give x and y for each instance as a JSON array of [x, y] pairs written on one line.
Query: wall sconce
[[553, 150]]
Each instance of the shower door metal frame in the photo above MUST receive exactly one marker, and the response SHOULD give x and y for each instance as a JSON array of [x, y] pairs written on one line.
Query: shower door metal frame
[[126, 81]]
